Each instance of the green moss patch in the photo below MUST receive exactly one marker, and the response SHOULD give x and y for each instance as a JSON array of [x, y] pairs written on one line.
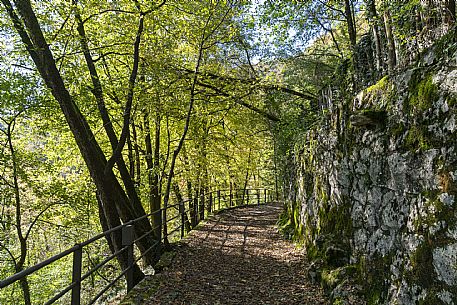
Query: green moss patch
[[423, 93]]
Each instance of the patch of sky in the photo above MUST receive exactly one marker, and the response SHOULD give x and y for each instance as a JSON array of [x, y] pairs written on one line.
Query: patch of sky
[[275, 30]]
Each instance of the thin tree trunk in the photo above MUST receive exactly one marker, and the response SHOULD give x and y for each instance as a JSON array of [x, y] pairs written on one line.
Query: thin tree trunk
[[111, 193], [153, 173], [246, 179], [350, 24], [19, 265], [373, 19], [182, 211], [184, 134], [134, 200], [201, 208], [192, 208], [136, 149], [450, 12], [195, 211], [130, 157], [204, 162], [391, 56]]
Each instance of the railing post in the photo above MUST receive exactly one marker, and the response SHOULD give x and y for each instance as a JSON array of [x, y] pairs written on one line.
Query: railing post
[[219, 199], [76, 276], [127, 241], [265, 193], [258, 197]]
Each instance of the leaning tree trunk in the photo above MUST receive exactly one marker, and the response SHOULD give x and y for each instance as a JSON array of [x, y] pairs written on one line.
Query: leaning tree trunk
[[126, 177], [111, 194]]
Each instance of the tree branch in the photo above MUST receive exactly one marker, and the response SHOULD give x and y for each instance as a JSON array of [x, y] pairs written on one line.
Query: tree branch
[[239, 100], [128, 106], [253, 81]]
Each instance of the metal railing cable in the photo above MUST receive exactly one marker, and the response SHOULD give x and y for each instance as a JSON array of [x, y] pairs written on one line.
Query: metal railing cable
[[181, 221]]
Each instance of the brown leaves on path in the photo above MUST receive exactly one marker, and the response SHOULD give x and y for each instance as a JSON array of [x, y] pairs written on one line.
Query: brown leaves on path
[[237, 257]]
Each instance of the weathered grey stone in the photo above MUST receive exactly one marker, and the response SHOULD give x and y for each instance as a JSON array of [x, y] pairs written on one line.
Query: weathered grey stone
[[446, 297], [444, 262], [449, 124], [447, 199], [394, 186]]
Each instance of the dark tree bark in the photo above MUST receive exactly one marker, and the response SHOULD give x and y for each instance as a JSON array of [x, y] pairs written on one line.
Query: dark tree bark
[[111, 194], [196, 201], [450, 12], [350, 23], [246, 179], [201, 208], [116, 238], [182, 211], [126, 176], [137, 157], [153, 172], [130, 157], [192, 207]]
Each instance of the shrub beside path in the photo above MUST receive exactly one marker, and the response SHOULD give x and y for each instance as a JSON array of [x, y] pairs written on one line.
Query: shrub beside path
[[236, 257]]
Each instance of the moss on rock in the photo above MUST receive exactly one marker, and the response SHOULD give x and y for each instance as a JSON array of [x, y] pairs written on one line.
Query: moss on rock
[[423, 92]]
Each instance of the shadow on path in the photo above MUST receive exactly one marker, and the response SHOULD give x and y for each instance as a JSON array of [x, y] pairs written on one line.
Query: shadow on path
[[237, 257]]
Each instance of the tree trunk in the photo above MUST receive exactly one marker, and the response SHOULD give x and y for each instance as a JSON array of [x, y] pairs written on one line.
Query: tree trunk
[[183, 135], [391, 56], [136, 149], [192, 211], [114, 239], [195, 210], [450, 12], [132, 196], [246, 179], [350, 24], [182, 207], [201, 208], [373, 19], [192, 208], [204, 162], [153, 173], [19, 265], [130, 157], [111, 193]]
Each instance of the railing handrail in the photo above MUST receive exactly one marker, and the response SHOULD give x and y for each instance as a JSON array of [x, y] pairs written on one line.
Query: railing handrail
[[78, 246]]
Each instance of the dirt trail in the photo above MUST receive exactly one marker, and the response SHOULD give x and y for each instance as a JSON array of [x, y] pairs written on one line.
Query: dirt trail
[[236, 257]]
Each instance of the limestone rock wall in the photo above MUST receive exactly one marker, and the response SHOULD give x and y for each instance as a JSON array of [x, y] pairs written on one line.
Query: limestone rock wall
[[374, 188]]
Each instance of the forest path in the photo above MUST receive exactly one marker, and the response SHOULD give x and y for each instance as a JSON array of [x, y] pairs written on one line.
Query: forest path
[[235, 257]]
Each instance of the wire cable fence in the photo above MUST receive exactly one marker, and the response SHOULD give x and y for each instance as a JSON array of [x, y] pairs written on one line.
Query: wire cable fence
[[91, 280]]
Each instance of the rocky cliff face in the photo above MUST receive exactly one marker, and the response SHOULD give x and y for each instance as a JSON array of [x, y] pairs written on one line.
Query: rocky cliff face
[[375, 186]]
